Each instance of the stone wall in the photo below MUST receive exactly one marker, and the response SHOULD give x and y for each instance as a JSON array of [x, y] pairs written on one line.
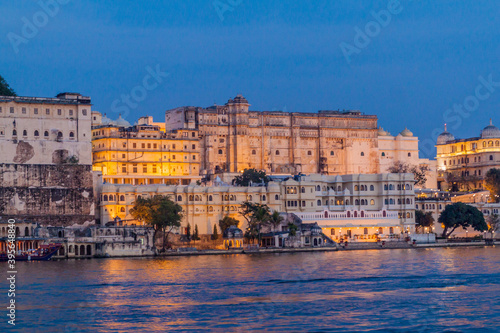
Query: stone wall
[[57, 195]]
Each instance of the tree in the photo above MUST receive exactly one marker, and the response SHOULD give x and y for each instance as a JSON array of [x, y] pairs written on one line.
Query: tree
[[249, 176], [256, 216], [275, 220], [461, 215], [423, 219], [419, 171], [492, 184], [188, 233], [493, 223], [196, 235], [292, 228], [226, 222], [215, 234], [160, 212], [5, 89]]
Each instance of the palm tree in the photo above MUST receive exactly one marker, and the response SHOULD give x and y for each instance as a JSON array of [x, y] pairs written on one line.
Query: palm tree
[[275, 219]]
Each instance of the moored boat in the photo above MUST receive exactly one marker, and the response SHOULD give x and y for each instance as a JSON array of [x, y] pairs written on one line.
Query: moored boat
[[42, 253]]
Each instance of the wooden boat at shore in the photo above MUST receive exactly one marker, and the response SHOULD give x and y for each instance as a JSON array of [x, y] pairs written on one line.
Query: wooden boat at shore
[[42, 253]]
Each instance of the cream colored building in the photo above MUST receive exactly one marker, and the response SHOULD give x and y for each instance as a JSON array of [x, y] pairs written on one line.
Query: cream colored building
[[463, 163], [144, 154], [340, 204]]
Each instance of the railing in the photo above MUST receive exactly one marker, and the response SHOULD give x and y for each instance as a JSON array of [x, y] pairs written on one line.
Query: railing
[[327, 215]]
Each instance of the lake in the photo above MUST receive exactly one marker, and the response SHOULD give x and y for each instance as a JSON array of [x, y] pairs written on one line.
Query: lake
[[407, 290]]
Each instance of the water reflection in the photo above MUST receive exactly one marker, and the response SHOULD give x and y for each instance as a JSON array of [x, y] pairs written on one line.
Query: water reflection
[[406, 290]]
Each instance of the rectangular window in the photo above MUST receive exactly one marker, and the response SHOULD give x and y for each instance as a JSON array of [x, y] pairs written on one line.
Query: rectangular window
[[143, 145], [173, 146], [35, 111], [84, 112], [154, 168], [149, 146], [59, 112], [173, 157], [145, 168], [0, 109], [134, 145], [194, 157], [124, 168], [124, 145], [47, 111], [194, 146], [70, 112], [185, 134], [155, 146], [11, 109], [24, 110], [134, 168], [123, 155]]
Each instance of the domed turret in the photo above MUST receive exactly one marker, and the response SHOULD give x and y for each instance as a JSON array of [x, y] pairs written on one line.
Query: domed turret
[[406, 132], [445, 137], [382, 132], [122, 122], [490, 132]]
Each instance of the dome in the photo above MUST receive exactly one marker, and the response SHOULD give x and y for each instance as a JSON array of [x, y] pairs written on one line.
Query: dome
[[121, 122], [406, 132], [105, 120], [490, 132], [382, 132], [444, 137]]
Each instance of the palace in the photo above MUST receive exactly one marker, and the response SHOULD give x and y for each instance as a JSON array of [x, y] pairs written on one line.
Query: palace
[[463, 163], [361, 205]]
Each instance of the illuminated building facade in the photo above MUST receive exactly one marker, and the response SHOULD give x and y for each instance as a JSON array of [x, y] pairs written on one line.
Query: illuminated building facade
[[463, 163], [144, 154]]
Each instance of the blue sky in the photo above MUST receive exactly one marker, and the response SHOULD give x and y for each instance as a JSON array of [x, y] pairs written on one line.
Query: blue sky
[[278, 54]]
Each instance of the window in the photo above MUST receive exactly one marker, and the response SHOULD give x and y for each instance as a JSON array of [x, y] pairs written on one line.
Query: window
[[46, 133], [309, 153], [124, 168], [14, 133], [277, 152], [383, 154], [134, 145], [59, 135], [372, 188], [1, 109], [220, 151], [37, 134], [84, 112], [144, 168], [47, 112], [173, 146], [193, 146], [143, 145], [173, 157], [25, 133], [362, 154], [276, 197], [409, 154], [254, 152], [134, 168], [35, 111], [372, 202], [193, 134], [155, 145], [11, 109], [24, 110], [331, 154], [71, 113], [71, 134], [318, 202], [491, 157], [149, 146], [59, 112]]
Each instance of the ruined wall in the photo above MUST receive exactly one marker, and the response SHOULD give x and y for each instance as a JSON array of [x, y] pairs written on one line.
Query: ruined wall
[[57, 195]]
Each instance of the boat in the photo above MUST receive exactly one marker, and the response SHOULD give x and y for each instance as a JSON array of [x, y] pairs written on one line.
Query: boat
[[42, 253]]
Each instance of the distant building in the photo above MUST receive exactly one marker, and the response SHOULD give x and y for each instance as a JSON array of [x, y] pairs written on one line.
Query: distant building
[[46, 159], [463, 163]]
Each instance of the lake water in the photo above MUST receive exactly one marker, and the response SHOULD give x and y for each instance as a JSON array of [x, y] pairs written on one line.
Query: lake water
[[422, 290]]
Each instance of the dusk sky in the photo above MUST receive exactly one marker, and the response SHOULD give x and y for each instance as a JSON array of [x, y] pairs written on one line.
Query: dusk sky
[[283, 55]]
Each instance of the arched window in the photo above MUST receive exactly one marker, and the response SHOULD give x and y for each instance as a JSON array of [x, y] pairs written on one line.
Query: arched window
[[356, 202], [303, 190], [37, 134], [362, 154], [210, 198], [391, 230], [105, 198], [276, 197], [383, 154], [46, 133], [71, 134], [59, 136], [25, 133], [332, 154], [263, 198], [409, 154], [318, 188], [491, 157], [220, 151], [14, 133], [122, 209], [318, 202], [254, 152], [191, 198], [356, 188], [179, 198], [372, 188], [385, 187], [122, 198], [309, 153], [372, 202], [277, 152]]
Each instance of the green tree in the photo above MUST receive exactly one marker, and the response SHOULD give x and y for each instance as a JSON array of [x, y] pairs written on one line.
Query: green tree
[[5, 89], [226, 222], [253, 176], [215, 234], [419, 171], [423, 219], [461, 215], [256, 216], [292, 228], [492, 184], [160, 212], [196, 234], [275, 220], [188, 233]]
